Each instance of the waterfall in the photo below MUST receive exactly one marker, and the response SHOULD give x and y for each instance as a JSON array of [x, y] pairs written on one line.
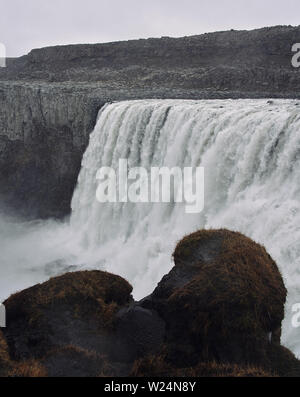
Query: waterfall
[[250, 150]]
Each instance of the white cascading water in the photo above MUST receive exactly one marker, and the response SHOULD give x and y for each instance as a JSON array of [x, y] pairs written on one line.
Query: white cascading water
[[251, 153]]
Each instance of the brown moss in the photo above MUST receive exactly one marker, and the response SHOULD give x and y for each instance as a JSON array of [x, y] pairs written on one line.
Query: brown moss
[[9, 368], [214, 369], [5, 362], [152, 366], [4, 355], [28, 369], [156, 366], [85, 291]]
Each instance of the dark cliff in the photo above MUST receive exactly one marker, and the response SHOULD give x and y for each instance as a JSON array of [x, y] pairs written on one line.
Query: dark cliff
[[49, 99]]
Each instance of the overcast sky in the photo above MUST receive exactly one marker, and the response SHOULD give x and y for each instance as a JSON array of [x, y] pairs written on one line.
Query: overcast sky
[[27, 24]]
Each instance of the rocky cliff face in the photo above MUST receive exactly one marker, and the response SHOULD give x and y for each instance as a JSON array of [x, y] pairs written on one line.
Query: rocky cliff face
[[43, 133], [49, 99]]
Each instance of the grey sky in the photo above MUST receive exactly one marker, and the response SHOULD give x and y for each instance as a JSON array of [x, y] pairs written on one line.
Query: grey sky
[[27, 24]]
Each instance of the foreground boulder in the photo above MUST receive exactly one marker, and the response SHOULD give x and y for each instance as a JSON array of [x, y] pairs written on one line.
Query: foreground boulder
[[217, 313], [224, 298], [66, 324], [222, 302]]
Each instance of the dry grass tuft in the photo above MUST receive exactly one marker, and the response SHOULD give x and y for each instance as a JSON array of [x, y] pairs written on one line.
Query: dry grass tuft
[[5, 362], [28, 369], [156, 366]]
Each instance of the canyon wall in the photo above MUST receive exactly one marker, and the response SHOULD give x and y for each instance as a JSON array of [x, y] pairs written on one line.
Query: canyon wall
[[49, 99]]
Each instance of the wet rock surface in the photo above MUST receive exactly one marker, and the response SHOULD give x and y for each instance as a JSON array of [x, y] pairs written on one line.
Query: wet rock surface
[[141, 330]]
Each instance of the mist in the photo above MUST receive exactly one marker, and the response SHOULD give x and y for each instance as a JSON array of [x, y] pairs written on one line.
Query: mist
[[31, 252]]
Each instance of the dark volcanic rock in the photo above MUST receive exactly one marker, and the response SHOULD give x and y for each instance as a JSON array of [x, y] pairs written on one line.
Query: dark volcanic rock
[[43, 133], [49, 99], [78, 324], [69, 319], [222, 302], [246, 61], [142, 330]]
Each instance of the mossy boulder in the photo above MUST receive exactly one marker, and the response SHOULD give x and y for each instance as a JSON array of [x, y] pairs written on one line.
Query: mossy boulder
[[223, 300], [76, 309]]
